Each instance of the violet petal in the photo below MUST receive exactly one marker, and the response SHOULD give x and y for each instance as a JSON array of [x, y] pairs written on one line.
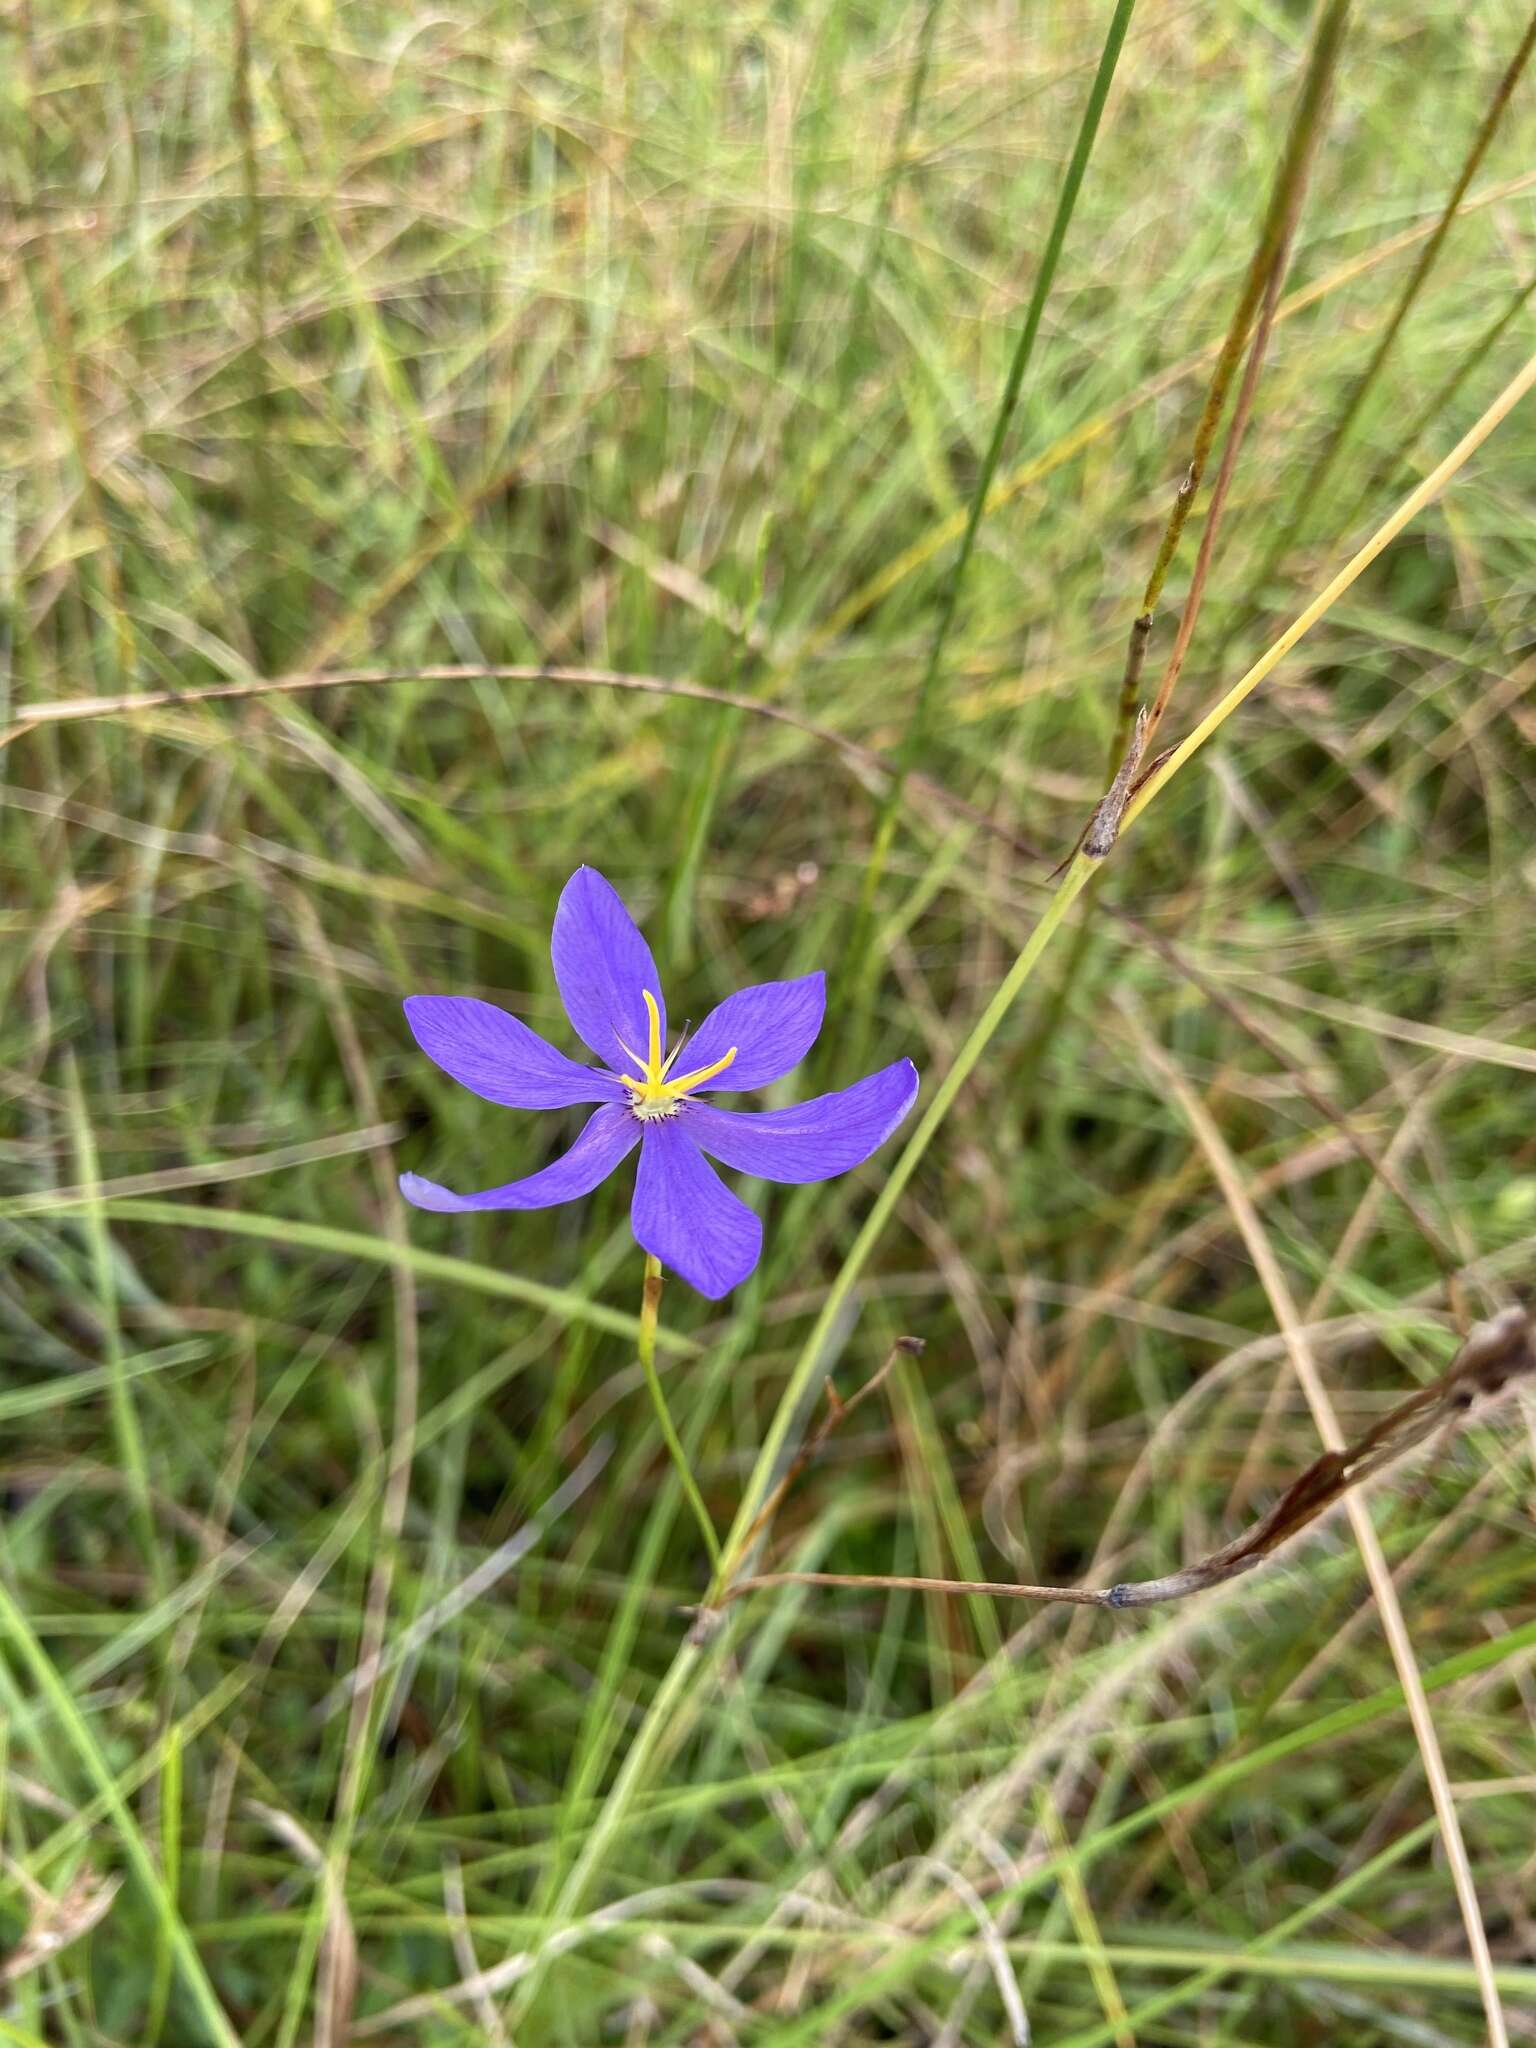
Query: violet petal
[[608, 1136], [811, 1140], [601, 965], [772, 1025], [494, 1054], [687, 1217]]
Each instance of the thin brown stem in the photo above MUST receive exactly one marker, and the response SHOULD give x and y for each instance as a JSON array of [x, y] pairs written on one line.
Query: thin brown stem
[[70, 710], [1495, 1355], [1284, 205], [1241, 415]]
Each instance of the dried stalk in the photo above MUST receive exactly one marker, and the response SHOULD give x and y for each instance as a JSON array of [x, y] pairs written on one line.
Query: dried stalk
[[1495, 1355], [1268, 257]]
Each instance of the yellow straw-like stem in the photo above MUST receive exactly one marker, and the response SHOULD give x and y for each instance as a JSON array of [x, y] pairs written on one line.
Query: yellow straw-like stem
[[1421, 495]]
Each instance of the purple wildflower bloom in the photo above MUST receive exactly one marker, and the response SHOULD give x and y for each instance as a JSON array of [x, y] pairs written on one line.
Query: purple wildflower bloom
[[682, 1213]]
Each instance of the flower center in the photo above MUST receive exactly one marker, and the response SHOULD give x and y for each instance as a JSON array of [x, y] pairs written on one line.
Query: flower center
[[653, 1094]]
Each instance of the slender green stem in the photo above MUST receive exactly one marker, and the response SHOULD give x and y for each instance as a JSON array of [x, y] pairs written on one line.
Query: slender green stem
[[917, 725], [650, 1310], [125, 1418]]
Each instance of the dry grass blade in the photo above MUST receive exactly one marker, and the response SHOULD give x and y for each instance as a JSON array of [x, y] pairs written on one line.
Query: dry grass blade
[[993, 1946], [486, 2013], [1509, 1347], [56, 1922], [74, 710], [338, 1957]]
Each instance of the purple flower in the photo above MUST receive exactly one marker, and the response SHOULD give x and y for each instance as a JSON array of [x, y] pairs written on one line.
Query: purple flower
[[682, 1213]]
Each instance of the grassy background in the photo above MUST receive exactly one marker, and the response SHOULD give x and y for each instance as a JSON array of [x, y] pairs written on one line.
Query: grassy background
[[624, 339]]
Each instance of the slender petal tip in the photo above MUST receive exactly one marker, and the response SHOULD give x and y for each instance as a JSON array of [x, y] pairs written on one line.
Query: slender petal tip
[[812, 1140], [603, 967], [609, 1135]]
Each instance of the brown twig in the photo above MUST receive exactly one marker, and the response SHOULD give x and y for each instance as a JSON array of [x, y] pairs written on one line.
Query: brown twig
[[73, 710], [1495, 1354]]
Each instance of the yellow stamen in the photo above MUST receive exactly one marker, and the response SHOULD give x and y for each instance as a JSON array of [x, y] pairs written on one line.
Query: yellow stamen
[[702, 1074], [653, 1064], [652, 1093]]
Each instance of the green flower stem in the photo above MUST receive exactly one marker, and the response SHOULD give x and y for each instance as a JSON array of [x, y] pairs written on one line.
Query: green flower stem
[[650, 1310]]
